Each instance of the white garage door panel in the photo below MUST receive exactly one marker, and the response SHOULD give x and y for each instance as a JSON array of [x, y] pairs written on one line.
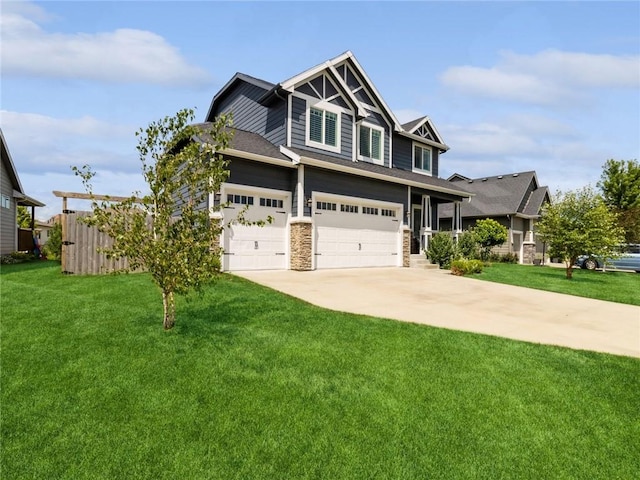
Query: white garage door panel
[[255, 247], [351, 240]]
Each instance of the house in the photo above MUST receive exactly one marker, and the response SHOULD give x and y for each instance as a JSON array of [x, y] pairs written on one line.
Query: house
[[514, 200], [12, 195], [322, 153]]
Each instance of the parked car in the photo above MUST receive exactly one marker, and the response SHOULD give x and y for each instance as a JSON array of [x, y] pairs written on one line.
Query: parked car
[[629, 260]]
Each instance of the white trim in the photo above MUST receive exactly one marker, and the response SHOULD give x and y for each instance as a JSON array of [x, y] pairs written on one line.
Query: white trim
[[416, 138], [324, 107], [370, 126], [300, 187], [258, 158], [361, 201], [289, 117], [295, 158], [413, 160]]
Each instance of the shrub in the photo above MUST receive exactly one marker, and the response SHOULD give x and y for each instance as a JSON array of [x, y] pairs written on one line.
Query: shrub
[[466, 267], [489, 233], [467, 246], [53, 248], [441, 249], [509, 258]]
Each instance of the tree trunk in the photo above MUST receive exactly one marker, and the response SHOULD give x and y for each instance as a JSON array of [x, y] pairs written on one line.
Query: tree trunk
[[169, 305], [569, 271]]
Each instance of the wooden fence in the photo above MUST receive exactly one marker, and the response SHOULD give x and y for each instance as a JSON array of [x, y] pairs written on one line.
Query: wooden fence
[[80, 248]]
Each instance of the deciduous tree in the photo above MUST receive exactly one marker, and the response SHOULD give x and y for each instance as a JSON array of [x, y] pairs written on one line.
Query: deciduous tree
[[620, 187], [24, 217], [489, 233], [578, 223], [167, 231]]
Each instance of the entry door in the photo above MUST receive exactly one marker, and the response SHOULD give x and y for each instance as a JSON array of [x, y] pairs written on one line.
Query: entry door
[[416, 229]]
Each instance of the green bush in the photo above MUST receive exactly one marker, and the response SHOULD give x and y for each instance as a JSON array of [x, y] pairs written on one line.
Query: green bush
[[53, 248], [467, 246], [509, 258], [466, 267], [441, 249]]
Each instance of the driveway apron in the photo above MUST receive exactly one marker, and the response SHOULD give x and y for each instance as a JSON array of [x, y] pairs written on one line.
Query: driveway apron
[[437, 298]]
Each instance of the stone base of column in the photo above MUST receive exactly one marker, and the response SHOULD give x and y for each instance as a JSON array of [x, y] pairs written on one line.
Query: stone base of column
[[301, 245]]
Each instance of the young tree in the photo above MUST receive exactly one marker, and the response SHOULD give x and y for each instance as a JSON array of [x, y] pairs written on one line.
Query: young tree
[[579, 223], [167, 232], [489, 233], [24, 217], [620, 187], [53, 247]]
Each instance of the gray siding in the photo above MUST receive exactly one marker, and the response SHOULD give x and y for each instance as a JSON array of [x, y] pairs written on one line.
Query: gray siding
[[403, 155], [298, 130], [7, 216], [249, 115], [316, 180]]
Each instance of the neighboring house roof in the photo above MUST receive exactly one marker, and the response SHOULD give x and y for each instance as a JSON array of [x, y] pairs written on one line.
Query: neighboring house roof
[[18, 192], [509, 194]]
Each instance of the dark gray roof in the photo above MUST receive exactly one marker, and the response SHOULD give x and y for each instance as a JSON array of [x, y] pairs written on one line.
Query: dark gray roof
[[427, 181], [507, 194], [412, 124], [252, 143], [537, 198]]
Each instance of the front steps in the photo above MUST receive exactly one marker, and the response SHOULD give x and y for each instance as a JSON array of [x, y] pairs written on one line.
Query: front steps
[[419, 260]]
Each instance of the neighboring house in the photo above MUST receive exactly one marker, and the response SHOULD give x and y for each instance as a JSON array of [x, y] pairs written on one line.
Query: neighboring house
[[515, 200], [11, 195], [322, 153]]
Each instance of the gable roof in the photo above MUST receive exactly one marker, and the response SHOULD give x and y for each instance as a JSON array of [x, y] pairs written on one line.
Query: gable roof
[[238, 77], [412, 127], [18, 192], [509, 194]]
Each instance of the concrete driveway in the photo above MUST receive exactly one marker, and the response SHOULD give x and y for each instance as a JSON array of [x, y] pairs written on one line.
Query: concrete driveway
[[437, 298]]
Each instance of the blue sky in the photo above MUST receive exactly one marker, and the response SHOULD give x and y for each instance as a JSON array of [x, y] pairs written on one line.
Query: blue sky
[[511, 86]]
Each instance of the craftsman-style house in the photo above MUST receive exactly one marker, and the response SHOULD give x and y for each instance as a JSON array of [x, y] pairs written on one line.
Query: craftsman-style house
[[322, 153]]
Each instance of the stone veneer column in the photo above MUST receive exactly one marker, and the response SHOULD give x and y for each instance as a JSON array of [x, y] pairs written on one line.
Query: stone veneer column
[[406, 246], [301, 244], [528, 253]]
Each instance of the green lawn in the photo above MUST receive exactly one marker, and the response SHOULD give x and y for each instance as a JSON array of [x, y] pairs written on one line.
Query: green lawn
[[252, 384], [620, 287]]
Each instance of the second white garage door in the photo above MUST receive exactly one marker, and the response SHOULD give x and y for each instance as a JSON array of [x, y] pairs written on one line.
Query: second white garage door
[[353, 233], [255, 247]]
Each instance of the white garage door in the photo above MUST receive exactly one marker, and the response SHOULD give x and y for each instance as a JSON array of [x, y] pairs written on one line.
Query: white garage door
[[356, 233], [255, 247]]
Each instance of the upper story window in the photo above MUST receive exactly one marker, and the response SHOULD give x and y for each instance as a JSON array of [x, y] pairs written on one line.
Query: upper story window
[[6, 202], [371, 143], [421, 159], [323, 129]]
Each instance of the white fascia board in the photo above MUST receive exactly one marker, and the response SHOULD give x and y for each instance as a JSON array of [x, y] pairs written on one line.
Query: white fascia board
[[258, 158], [295, 158], [361, 112], [435, 130], [289, 85], [377, 176], [417, 138], [397, 127], [524, 215]]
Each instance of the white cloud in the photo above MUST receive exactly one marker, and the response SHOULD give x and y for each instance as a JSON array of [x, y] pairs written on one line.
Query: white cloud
[[39, 143], [120, 56], [546, 78]]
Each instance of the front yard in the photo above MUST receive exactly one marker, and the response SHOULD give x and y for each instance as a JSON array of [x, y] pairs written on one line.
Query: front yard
[[252, 384], [621, 287]]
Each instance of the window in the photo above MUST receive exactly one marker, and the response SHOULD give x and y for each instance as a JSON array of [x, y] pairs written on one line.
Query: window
[[349, 208], [370, 210], [323, 127], [371, 143], [385, 212], [326, 206], [240, 199], [6, 202], [271, 202], [422, 158]]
